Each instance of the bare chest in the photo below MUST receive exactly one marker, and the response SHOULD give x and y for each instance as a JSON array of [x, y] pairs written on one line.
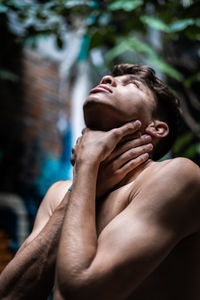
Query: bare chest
[[178, 277], [111, 206]]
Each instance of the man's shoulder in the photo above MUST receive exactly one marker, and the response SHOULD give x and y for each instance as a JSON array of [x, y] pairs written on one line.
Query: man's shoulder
[[175, 178], [171, 190], [55, 194], [183, 163], [182, 170], [62, 185]]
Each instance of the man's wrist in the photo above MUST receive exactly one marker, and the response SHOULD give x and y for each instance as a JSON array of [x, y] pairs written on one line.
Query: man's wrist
[[83, 169], [88, 160]]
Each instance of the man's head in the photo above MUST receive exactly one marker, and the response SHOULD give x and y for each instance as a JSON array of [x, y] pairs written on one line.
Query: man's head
[[134, 92]]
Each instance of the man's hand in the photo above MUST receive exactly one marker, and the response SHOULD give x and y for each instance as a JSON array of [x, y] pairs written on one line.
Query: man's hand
[[96, 146], [126, 157], [128, 154]]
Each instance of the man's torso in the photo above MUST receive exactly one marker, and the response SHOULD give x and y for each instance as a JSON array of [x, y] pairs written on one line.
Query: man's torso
[[178, 276]]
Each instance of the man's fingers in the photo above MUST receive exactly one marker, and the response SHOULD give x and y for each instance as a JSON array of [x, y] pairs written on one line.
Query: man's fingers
[[130, 127], [129, 137], [131, 165], [121, 148], [126, 129], [130, 154]]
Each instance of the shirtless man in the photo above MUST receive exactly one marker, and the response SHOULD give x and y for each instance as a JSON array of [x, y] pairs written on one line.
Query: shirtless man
[[30, 275], [142, 240], [126, 244]]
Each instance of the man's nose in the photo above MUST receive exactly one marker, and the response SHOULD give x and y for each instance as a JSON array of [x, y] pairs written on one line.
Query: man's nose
[[108, 79]]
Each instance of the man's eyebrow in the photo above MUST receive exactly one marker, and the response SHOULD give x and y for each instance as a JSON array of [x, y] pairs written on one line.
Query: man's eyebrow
[[134, 79]]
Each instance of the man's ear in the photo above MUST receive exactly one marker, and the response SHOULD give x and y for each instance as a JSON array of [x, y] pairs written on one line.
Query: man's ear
[[157, 129]]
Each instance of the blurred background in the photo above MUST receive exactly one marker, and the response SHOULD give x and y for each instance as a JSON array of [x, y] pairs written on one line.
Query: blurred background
[[51, 54]]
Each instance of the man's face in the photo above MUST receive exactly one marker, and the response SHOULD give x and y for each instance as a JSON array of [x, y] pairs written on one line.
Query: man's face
[[117, 100]]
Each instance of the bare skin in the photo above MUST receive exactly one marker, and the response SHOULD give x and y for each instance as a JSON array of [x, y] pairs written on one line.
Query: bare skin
[[118, 249], [135, 239], [137, 243], [30, 274]]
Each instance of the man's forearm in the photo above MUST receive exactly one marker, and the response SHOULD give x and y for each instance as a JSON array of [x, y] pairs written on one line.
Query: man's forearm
[[78, 241], [30, 275]]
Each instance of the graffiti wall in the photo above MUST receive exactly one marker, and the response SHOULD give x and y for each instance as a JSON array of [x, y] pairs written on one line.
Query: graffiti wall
[[42, 131]]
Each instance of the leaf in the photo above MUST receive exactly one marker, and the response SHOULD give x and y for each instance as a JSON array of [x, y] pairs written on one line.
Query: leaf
[[127, 5], [155, 23], [167, 69], [140, 46], [117, 50], [74, 3], [182, 142], [180, 25], [189, 81], [135, 44], [192, 151]]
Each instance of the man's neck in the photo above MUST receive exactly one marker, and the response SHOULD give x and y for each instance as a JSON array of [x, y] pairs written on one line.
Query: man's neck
[[130, 177]]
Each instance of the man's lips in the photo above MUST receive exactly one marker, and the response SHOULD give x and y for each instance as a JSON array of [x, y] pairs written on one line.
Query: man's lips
[[101, 88]]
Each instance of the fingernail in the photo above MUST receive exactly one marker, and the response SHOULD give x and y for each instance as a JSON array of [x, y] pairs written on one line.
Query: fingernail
[[137, 123], [149, 146], [146, 155], [147, 138]]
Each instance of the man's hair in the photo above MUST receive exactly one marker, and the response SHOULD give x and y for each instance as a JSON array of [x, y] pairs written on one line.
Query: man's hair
[[167, 106]]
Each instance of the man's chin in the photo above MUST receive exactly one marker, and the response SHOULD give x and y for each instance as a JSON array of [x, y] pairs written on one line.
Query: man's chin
[[97, 115], [102, 120], [102, 115], [98, 122]]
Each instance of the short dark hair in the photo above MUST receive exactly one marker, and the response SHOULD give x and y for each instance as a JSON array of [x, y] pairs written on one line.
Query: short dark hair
[[167, 106]]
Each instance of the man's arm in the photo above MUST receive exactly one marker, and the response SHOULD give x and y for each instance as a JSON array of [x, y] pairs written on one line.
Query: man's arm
[[36, 257], [30, 275], [134, 243]]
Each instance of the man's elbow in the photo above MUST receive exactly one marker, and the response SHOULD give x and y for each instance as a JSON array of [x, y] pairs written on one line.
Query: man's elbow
[[78, 288]]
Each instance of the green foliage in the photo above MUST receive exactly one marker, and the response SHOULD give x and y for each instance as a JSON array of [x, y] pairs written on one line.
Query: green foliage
[[190, 80], [183, 141], [124, 18], [166, 68], [126, 5], [181, 25], [186, 146], [155, 23], [175, 26], [134, 44], [118, 27]]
